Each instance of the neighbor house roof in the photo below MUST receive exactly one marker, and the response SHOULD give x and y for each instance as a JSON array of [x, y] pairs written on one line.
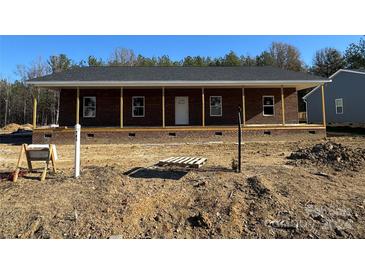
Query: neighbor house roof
[[173, 76], [356, 71]]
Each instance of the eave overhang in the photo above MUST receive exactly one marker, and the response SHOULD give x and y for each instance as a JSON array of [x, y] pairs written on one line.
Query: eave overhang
[[299, 84]]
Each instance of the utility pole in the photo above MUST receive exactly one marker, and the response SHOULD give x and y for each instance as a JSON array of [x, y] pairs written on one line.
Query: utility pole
[[239, 139]]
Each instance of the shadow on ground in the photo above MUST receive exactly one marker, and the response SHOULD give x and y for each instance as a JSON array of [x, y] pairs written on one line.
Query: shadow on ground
[[169, 173], [344, 131], [149, 173]]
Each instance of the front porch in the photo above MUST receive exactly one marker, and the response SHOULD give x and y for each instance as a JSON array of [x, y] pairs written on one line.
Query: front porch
[[178, 107], [147, 115]]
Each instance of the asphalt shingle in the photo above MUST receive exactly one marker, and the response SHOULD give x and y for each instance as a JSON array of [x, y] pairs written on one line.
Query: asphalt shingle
[[120, 73]]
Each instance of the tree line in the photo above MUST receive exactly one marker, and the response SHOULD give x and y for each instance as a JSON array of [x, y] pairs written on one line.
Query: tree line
[[16, 97]]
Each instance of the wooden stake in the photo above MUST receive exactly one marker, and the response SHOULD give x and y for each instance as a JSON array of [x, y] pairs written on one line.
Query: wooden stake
[[17, 169], [50, 158], [323, 107], [53, 160], [28, 159], [239, 139], [283, 105]]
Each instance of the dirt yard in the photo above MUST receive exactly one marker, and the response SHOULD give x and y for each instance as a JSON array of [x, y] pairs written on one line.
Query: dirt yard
[[274, 197]]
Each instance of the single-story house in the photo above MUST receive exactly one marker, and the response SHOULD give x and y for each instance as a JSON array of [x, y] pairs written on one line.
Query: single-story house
[[128, 104], [344, 100]]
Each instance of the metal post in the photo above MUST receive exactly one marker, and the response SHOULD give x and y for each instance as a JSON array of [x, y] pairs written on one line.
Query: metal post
[[203, 108], [239, 139], [77, 150], [121, 107], [243, 108]]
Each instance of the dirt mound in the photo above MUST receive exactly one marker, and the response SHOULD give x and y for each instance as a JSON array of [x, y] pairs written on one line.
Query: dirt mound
[[11, 127], [330, 154], [27, 126], [16, 127], [257, 186]]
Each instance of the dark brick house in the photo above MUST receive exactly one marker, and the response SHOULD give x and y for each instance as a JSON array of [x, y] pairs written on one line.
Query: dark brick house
[[122, 104]]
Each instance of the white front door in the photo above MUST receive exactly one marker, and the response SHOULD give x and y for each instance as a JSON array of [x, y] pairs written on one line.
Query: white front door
[[181, 110]]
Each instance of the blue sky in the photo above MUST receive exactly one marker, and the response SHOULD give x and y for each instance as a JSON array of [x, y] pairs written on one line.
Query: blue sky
[[16, 50]]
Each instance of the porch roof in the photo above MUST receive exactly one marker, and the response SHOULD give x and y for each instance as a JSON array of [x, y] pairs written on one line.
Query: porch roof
[[178, 76]]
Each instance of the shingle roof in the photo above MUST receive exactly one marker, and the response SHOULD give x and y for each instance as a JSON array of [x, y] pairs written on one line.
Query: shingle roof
[[120, 73], [358, 70]]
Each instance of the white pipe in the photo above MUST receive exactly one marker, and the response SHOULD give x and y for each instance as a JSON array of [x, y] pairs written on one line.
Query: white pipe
[[77, 150]]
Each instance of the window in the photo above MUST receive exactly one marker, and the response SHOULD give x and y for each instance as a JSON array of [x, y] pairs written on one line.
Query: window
[[89, 107], [215, 105], [138, 106], [268, 105], [339, 106]]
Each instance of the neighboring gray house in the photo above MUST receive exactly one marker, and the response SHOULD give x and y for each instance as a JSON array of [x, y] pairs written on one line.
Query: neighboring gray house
[[344, 98]]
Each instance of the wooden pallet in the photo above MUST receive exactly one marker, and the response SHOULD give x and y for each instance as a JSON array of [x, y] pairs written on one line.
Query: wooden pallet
[[194, 162]]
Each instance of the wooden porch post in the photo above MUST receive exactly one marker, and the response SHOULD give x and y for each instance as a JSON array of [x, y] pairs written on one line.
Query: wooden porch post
[[203, 108], [243, 107], [121, 107], [78, 106], [283, 104], [163, 107], [323, 107], [35, 109]]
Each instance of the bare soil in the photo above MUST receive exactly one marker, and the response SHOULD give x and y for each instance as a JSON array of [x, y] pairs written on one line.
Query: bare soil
[[273, 197], [13, 127]]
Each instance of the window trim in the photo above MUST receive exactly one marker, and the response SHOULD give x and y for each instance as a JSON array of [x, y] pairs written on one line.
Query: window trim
[[84, 107], [341, 100], [144, 105], [210, 106], [273, 105]]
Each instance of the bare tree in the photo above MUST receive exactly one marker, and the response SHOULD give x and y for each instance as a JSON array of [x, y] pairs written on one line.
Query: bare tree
[[39, 68], [123, 57], [5, 95], [286, 56]]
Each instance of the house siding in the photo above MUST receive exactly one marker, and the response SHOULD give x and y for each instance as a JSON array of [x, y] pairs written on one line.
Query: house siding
[[153, 107], [108, 106], [195, 105], [67, 115], [254, 106], [231, 99], [291, 106], [346, 85]]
